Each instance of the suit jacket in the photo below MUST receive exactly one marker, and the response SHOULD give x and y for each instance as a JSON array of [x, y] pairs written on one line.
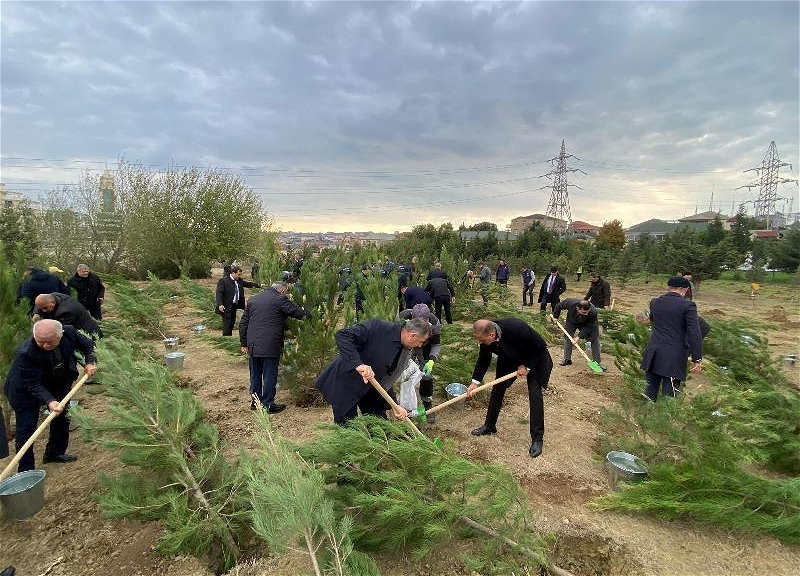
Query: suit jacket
[[70, 311], [33, 379], [599, 293], [263, 323], [586, 325], [440, 288], [502, 272], [559, 287], [226, 290], [41, 282], [519, 344], [676, 333], [375, 343], [415, 295]]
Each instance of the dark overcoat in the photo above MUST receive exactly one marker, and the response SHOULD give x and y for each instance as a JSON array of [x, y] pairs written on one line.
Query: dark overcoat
[[70, 311], [676, 334], [89, 289], [599, 293], [41, 282], [34, 377], [519, 344], [226, 291], [264, 321], [375, 343]]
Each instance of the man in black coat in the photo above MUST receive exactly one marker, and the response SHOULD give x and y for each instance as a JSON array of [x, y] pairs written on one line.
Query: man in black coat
[[90, 289], [436, 272], [40, 282], [230, 297], [519, 348], [552, 288], [66, 310], [42, 373], [599, 292], [376, 349], [413, 295], [676, 333], [443, 294], [261, 336], [581, 316]]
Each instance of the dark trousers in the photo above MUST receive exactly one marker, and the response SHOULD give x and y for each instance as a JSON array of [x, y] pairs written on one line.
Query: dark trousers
[[264, 378], [669, 386], [527, 293], [228, 320], [534, 398], [443, 301], [552, 299], [27, 420], [426, 390], [94, 309], [401, 302], [370, 403]]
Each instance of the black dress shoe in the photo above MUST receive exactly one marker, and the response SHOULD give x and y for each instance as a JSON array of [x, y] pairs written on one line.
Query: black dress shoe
[[565, 363], [483, 431], [61, 458], [536, 449], [275, 408]]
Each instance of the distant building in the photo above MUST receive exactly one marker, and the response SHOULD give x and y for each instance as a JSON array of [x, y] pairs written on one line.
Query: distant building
[[502, 236], [655, 228], [522, 223], [581, 227], [703, 217], [765, 234], [13, 199]]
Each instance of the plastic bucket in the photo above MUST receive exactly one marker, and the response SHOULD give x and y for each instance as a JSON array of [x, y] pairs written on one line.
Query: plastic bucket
[[624, 467], [456, 389], [22, 495], [171, 343], [174, 360]]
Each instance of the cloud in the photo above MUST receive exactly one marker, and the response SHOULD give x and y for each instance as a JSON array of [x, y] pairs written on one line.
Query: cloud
[[392, 105]]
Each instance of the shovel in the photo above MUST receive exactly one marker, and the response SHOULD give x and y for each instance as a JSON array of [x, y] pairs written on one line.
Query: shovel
[[592, 364], [421, 412], [21, 452], [393, 404]]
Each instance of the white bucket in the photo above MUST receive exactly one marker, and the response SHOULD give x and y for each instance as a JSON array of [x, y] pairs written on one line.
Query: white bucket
[[174, 360]]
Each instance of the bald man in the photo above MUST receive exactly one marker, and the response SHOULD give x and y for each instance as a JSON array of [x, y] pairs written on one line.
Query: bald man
[[42, 373], [519, 349], [66, 310]]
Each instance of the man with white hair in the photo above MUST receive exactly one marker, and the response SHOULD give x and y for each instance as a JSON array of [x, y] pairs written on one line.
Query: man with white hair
[[42, 373], [90, 289]]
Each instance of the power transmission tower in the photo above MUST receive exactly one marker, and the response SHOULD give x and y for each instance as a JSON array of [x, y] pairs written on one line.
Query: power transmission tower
[[558, 205], [768, 178]]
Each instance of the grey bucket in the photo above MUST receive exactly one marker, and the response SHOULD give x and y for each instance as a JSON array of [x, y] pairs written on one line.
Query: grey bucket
[[790, 359], [174, 360], [456, 389], [198, 328], [22, 495], [171, 343], [624, 467]]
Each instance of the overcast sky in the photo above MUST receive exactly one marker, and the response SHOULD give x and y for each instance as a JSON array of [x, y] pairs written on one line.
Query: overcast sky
[[381, 115]]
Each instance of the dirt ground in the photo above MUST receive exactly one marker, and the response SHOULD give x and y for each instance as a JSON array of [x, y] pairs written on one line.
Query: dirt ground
[[559, 483]]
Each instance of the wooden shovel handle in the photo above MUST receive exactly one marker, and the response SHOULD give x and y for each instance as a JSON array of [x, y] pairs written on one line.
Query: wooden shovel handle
[[574, 343], [21, 452], [466, 394], [392, 403]]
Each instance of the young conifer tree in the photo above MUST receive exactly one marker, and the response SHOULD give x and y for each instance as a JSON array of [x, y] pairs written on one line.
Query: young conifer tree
[[15, 325], [175, 472]]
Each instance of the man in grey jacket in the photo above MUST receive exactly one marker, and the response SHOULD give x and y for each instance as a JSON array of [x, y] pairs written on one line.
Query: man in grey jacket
[[261, 336]]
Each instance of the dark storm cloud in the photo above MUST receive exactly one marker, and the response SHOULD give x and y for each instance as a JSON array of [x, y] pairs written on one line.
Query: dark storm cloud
[[404, 87]]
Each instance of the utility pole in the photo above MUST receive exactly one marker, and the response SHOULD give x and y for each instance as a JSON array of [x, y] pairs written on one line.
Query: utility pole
[[558, 205], [768, 177]]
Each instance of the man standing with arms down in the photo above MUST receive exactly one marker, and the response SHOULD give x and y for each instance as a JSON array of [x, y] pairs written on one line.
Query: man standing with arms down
[[552, 288], [441, 290], [485, 277], [519, 348], [90, 289], [528, 279], [261, 336], [43, 371], [674, 323], [230, 297], [581, 316], [373, 349]]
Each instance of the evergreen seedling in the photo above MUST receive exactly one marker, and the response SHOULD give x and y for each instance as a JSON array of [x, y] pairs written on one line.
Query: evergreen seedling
[[177, 472], [15, 325]]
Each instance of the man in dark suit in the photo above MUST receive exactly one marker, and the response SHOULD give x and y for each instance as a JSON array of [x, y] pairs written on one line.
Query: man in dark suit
[[413, 295], [581, 316], [66, 310], [552, 288], [42, 373], [374, 348], [261, 335], [599, 292], [519, 348], [676, 333], [230, 297], [443, 294], [90, 289]]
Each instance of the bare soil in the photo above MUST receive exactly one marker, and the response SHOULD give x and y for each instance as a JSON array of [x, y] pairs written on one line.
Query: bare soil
[[559, 483]]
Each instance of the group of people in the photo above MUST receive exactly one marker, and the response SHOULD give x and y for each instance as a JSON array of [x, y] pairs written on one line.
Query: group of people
[[45, 365]]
